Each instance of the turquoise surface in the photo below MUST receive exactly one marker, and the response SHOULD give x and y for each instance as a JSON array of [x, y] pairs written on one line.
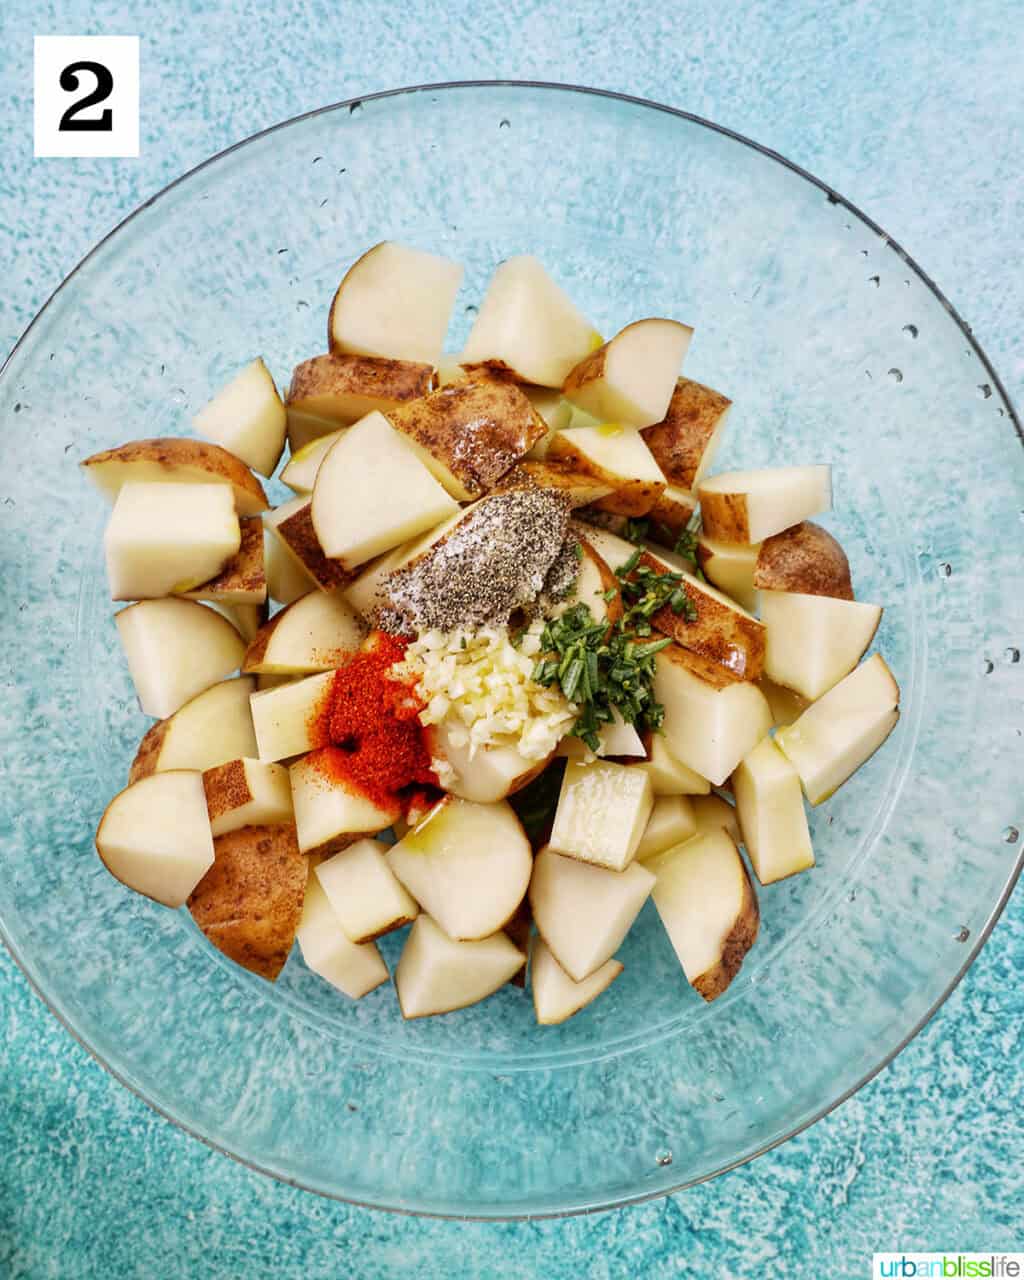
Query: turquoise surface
[[915, 121]]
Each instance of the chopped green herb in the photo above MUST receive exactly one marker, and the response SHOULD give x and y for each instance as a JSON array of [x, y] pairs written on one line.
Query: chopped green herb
[[636, 530]]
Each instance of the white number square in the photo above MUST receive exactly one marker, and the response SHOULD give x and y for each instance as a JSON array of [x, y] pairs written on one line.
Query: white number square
[[87, 95]]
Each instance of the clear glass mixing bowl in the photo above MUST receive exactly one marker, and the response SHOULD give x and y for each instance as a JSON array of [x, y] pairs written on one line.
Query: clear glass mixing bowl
[[835, 348]]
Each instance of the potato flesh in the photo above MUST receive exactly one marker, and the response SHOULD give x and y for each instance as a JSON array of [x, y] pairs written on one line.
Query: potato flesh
[[671, 822], [617, 456], [527, 324], [749, 506], [355, 969], [669, 776], [175, 460], [318, 632], [556, 997], [730, 566], [395, 302], [372, 492], [286, 578], [814, 641], [712, 813], [602, 811], [155, 836], [330, 814], [437, 975], [247, 418], [292, 523], [211, 729], [300, 472], [786, 705], [304, 428], [247, 793], [285, 718], [843, 729], [163, 538], [485, 776], [770, 809], [635, 372], [363, 891], [176, 649]]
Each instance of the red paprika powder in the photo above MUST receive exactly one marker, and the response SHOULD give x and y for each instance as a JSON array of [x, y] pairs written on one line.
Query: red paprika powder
[[368, 727]]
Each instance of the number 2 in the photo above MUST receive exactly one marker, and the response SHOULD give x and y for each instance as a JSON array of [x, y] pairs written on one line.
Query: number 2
[[104, 88]]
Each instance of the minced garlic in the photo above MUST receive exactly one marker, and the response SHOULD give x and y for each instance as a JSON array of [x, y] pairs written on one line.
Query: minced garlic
[[478, 683]]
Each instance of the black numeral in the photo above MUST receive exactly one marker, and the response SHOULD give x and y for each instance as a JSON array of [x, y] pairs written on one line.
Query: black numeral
[[104, 123]]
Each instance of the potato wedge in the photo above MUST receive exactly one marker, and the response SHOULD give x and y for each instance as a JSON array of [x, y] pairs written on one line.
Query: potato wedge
[[556, 997], [581, 487], [317, 632], [212, 728], [247, 793], [685, 441], [730, 566], [243, 579], [174, 460], [292, 523], [749, 506], [438, 975], [617, 456], [631, 378], [342, 388], [805, 558], [299, 473], [247, 418]]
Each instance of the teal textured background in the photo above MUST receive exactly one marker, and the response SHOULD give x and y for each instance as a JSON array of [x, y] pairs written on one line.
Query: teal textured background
[[913, 111]]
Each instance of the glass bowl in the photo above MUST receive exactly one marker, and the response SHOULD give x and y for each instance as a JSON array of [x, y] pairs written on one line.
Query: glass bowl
[[835, 348]]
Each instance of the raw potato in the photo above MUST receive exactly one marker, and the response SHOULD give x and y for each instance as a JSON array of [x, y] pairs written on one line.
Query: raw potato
[[212, 728], [713, 813], [318, 632], [174, 460], [602, 811], [749, 506], [731, 566], [368, 591], [355, 969], [394, 302], [770, 809], [306, 428], [584, 912], [805, 558], [176, 649], [814, 641], [155, 836], [709, 909], [467, 865], [528, 327], [671, 514], [436, 975], [685, 441], [556, 997], [581, 487], [616, 456], [300, 472], [243, 579], [247, 793], [612, 549], [594, 582], [274, 682], [842, 730], [342, 388], [245, 618], [669, 776], [671, 822], [518, 931], [711, 719], [286, 718], [617, 740], [286, 578], [556, 412], [247, 418], [329, 813], [630, 380], [364, 893], [372, 492], [163, 538], [786, 706], [486, 776], [293, 524]]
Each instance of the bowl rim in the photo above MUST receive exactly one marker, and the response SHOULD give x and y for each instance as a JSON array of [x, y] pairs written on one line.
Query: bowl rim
[[1015, 870]]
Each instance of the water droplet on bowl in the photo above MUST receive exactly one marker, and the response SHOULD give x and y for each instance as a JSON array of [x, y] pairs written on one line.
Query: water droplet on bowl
[[1012, 655], [1011, 835], [302, 305], [504, 124], [317, 159], [17, 407], [896, 375], [911, 330], [355, 108], [963, 933], [471, 310], [663, 1158], [875, 280], [985, 389], [988, 666], [945, 569], [832, 199]]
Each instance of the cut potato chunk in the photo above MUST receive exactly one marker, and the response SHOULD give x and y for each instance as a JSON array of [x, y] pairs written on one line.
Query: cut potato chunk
[[671, 515], [579, 486], [300, 471], [843, 729], [330, 814], [813, 641], [248, 905], [583, 912], [709, 909], [247, 793], [616, 739], [468, 436], [749, 506], [286, 578], [786, 706], [593, 583], [713, 813], [286, 719], [242, 580], [437, 975], [245, 618], [631, 378], [342, 388], [556, 997], [366, 896], [805, 558], [176, 649], [616, 456], [372, 492], [247, 418], [395, 302], [306, 428], [685, 441], [669, 776], [175, 460], [730, 566], [613, 550], [770, 809], [155, 836], [293, 524], [528, 327], [354, 968], [368, 591], [212, 728], [163, 538], [671, 822], [711, 719], [556, 412], [485, 776], [318, 632], [467, 865], [602, 811]]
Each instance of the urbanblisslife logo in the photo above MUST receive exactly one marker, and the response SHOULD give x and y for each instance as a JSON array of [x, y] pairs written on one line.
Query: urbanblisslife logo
[[950, 1266]]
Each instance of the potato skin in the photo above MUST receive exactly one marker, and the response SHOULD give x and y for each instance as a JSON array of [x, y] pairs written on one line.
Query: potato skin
[[724, 516], [806, 559], [171, 452], [680, 442], [375, 377], [737, 943]]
